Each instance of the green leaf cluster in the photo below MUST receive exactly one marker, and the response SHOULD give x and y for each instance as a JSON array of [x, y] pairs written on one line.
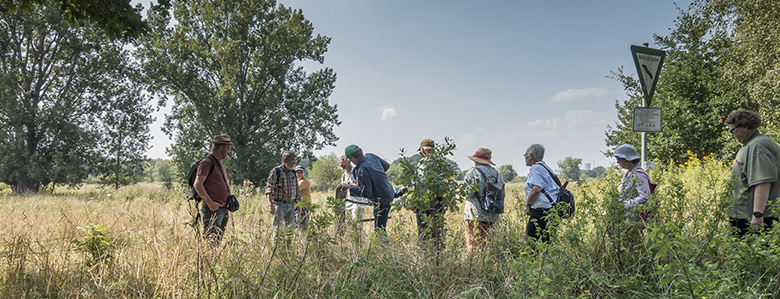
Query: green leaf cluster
[[432, 178]]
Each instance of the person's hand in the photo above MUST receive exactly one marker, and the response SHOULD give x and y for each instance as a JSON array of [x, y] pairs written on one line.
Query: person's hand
[[757, 223], [299, 209], [527, 210], [272, 210], [345, 185], [213, 206]]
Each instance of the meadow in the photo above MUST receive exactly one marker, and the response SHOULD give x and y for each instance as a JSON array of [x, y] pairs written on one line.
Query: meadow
[[138, 242]]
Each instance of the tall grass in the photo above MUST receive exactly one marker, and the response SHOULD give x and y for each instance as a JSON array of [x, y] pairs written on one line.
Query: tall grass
[[685, 251]]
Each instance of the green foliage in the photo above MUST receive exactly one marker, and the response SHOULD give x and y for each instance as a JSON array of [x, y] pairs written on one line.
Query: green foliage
[[95, 244], [163, 172], [596, 172], [687, 249], [117, 18], [431, 180], [507, 172], [125, 134], [66, 94], [325, 173], [570, 169], [721, 55], [233, 67]]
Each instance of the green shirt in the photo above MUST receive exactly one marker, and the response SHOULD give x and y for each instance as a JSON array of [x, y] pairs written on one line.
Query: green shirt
[[757, 162]]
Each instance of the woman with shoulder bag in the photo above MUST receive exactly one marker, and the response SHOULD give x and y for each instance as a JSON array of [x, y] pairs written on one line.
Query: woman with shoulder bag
[[477, 218]]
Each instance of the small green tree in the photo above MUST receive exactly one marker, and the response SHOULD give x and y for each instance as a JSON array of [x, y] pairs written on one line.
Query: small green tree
[[597, 172], [431, 179], [163, 172], [507, 172], [325, 172], [570, 169]]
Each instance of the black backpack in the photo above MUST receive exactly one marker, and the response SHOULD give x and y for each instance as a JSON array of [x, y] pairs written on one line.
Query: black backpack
[[192, 173], [565, 197], [493, 199]]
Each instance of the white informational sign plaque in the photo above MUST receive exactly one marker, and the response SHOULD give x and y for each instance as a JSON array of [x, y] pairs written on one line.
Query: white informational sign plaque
[[647, 119]]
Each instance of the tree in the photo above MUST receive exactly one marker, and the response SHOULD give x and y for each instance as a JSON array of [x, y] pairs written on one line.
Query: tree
[[232, 67], [125, 133], [507, 172], [596, 172], [56, 84], [432, 178], [164, 173], [721, 55], [570, 169], [325, 172], [117, 17]]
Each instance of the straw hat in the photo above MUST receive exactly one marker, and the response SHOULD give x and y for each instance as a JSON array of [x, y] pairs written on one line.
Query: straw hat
[[222, 139], [483, 156]]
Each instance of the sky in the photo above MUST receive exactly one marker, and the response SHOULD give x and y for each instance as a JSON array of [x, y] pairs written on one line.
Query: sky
[[495, 74]]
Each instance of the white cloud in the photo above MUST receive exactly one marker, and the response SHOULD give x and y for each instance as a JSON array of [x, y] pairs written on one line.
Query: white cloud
[[388, 113], [575, 94]]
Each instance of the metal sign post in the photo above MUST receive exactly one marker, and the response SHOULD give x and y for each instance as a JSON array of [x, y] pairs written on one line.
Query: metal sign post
[[648, 66]]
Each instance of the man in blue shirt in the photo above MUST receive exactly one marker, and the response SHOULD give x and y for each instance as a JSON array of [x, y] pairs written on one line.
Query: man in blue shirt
[[541, 192], [369, 180]]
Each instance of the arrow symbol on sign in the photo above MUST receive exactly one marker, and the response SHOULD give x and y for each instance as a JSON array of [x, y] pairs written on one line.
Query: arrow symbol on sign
[[648, 72]]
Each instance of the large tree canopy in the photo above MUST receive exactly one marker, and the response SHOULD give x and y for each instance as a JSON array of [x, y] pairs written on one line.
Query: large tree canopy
[[230, 67], [61, 90], [721, 55], [117, 18]]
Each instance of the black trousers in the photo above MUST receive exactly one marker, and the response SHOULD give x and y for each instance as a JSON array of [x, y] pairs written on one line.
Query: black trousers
[[743, 225], [429, 228], [537, 227]]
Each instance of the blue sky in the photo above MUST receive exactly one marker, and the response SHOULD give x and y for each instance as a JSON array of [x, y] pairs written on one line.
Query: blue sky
[[494, 74]]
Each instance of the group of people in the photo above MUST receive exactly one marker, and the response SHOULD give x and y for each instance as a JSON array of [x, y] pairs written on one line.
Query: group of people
[[756, 172]]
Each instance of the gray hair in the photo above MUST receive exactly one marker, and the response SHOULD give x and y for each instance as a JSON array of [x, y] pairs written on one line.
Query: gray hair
[[537, 150], [288, 154]]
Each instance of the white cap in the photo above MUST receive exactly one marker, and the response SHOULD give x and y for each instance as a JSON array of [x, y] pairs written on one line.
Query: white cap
[[626, 152]]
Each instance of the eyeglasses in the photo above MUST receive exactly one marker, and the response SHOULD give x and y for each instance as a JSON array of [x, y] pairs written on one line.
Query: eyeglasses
[[732, 130], [526, 155]]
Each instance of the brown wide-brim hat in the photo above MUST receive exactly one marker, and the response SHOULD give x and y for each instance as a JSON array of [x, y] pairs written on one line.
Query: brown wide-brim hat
[[483, 156], [426, 144], [222, 139]]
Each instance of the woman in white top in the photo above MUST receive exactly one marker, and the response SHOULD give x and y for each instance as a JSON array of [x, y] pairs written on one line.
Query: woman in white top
[[634, 189]]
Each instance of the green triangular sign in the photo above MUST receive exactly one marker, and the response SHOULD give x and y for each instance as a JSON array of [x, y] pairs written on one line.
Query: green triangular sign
[[648, 65]]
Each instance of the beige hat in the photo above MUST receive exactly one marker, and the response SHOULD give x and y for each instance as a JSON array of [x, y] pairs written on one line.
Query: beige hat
[[222, 139], [483, 156], [426, 144]]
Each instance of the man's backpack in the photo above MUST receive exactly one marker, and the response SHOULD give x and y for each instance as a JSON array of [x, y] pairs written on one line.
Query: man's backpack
[[192, 173], [565, 197], [493, 199]]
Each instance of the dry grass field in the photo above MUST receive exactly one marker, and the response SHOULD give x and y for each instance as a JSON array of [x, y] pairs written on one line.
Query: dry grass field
[[138, 242]]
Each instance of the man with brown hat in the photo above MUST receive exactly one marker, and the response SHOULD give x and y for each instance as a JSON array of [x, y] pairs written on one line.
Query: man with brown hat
[[430, 217], [213, 188]]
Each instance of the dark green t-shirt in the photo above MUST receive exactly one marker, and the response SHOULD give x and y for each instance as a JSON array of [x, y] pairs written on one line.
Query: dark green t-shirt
[[757, 162]]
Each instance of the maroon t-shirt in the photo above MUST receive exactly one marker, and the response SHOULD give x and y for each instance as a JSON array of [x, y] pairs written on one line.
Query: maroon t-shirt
[[215, 183]]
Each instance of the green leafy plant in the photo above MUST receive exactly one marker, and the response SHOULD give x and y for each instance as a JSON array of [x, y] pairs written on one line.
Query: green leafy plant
[[95, 244]]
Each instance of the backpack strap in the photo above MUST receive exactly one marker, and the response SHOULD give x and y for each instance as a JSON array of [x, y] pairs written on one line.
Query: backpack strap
[[213, 161], [557, 181], [484, 179]]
